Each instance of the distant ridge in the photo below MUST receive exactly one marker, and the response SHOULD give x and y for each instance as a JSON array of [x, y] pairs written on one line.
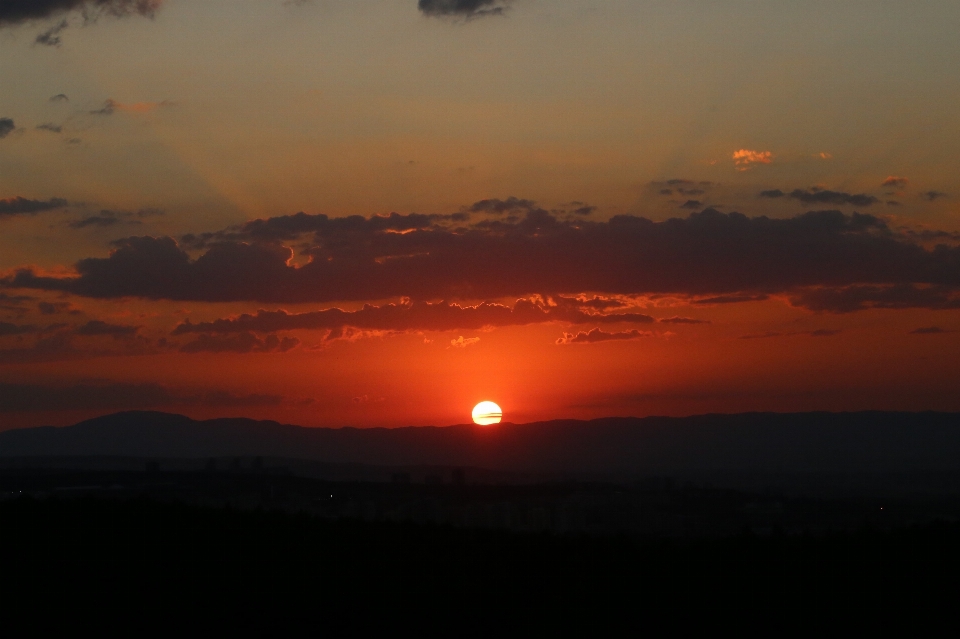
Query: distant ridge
[[761, 442]]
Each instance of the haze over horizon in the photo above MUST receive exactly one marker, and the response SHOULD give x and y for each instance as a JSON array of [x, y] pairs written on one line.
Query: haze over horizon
[[380, 213]]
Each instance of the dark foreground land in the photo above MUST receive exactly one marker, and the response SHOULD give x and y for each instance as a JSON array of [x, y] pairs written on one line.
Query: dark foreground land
[[780, 522], [245, 542], [148, 562]]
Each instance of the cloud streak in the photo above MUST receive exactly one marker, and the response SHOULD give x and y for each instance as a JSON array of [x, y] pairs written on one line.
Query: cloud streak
[[822, 196], [242, 343], [596, 335], [467, 9], [22, 206]]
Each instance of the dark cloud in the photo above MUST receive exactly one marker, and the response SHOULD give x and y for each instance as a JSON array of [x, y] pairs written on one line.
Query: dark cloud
[[502, 206], [929, 330], [106, 219], [824, 332], [596, 335], [860, 297], [342, 230], [60, 97], [55, 308], [98, 327], [932, 235], [689, 188], [6, 328], [468, 9], [49, 126], [99, 221], [108, 108], [729, 299], [62, 341], [47, 348], [418, 316], [23, 206], [14, 304], [694, 205], [711, 256], [14, 12], [821, 332], [682, 320], [820, 196], [933, 195], [51, 37], [116, 396], [6, 127], [241, 343]]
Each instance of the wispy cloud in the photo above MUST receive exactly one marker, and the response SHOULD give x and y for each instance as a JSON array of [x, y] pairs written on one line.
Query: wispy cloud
[[895, 181], [111, 106]]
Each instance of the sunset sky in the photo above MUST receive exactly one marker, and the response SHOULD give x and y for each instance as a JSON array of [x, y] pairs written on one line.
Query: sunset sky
[[380, 212]]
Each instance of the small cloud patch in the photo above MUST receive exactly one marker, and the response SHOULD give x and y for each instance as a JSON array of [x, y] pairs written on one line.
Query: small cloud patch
[[745, 159], [895, 181], [460, 342], [929, 330]]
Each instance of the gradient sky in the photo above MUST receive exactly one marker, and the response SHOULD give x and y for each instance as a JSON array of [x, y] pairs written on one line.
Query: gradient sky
[[380, 212]]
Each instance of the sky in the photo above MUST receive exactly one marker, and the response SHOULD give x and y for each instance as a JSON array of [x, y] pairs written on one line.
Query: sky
[[381, 212]]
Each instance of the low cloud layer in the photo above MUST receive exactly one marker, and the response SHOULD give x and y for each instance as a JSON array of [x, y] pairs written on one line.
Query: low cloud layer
[[241, 343], [117, 396], [419, 316], [711, 257]]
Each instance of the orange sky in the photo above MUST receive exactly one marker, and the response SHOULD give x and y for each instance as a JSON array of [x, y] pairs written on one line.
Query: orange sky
[[769, 204]]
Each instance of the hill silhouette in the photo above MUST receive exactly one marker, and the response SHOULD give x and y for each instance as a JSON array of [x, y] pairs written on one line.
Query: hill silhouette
[[756, 442]]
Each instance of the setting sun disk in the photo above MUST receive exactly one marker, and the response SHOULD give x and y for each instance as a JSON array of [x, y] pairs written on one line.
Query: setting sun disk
[[486, 413]]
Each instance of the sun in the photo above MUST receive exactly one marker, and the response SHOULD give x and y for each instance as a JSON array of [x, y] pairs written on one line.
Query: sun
[[486, 413]]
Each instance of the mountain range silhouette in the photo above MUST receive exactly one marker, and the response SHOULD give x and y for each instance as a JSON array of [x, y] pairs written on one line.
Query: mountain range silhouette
[[752, 442]]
